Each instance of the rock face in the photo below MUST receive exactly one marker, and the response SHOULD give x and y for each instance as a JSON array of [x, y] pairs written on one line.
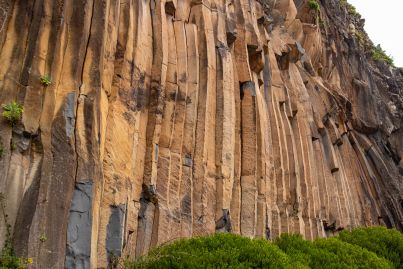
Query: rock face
[[177, 118]]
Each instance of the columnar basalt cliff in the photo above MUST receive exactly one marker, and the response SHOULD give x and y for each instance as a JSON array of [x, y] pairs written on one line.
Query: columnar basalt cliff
[[176, 118]]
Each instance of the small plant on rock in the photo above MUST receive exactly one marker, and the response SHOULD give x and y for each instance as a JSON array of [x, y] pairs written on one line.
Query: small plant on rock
[[378, 54], [43, 238], [314, 5], [315, 10], [12, 112], [352, 10], [45, 80], [363, 39], [13, 146]]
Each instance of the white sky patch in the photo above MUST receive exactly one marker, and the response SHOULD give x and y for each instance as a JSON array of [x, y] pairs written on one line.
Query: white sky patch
[[384, 25]]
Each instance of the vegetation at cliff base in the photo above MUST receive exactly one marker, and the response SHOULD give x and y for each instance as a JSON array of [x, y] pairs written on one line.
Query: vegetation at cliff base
[[222, 250], [370, 248], [384, 243]]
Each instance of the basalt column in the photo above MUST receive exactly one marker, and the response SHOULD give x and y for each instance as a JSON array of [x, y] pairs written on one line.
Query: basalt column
[[167, 119]]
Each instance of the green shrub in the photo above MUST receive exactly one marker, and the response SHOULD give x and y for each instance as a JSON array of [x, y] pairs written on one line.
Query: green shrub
[[386, 243], [43, 238], [218, 251], [328, 253], [9, 261], [1, 149], [378, 54], [305, 252], [314, 5], [350, 8], [362, 248], [363, 38], [12, 112], [45, 80], [350, 256]]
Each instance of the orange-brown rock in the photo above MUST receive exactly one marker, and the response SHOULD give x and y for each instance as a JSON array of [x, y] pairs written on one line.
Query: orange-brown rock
[[176, 118]]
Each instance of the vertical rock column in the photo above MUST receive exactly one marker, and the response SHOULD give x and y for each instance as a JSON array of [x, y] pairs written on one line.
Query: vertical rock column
[[225, 122], [204, 181], [189, 133], [236, 189], [165, 162], [178, 133], [82, 233], [249, 161], [60, 171], [277, 178], [263, 164], [15, 178], [123, 155]]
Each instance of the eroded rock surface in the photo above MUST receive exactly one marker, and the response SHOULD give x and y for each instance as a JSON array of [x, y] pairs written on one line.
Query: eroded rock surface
[[176, 118]]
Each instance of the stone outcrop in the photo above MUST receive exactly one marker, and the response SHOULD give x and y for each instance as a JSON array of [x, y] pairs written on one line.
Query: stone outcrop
[[175, 118]]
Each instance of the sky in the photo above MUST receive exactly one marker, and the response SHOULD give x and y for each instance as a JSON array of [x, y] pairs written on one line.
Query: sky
[[384, 24]]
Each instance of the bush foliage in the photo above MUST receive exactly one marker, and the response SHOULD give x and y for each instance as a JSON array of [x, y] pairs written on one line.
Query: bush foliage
[[362, 248], [314, 5], [383, 242], [218, 251], [45, 80], [12, 112], [378, 54]]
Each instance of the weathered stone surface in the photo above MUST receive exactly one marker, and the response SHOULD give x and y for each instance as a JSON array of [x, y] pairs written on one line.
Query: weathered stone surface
[[115, 232], [175, 118], [79, 228]]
